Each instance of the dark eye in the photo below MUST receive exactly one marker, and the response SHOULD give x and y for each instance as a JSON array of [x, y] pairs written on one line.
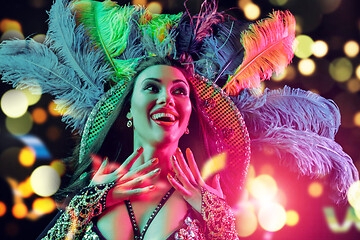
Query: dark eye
[[152, 88], [180, 91]]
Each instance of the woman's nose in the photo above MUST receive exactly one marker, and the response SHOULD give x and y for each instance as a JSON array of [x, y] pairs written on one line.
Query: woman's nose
[[166, 98]]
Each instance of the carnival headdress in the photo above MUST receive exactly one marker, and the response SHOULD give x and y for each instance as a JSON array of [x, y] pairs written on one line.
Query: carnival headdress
[[92, 49]]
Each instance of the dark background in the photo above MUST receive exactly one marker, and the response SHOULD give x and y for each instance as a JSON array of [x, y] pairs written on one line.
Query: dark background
[[335, 28]]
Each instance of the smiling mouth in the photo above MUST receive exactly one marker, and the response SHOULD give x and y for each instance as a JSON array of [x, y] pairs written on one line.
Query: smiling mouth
[[166, 119]]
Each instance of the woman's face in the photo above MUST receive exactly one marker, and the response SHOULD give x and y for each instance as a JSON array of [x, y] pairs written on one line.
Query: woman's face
[[160, 105]]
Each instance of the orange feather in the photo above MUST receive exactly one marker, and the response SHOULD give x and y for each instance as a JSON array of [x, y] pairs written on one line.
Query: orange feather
[[269, 47]]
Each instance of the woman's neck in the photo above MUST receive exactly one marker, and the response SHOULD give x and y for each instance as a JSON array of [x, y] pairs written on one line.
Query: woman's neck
[[163, 153]]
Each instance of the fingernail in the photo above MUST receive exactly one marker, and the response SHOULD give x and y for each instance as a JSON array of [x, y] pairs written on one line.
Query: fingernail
[[178, 150], [104, 162], [139, 149], [155, 160], [218, 176], [152, 187], [173, 158], [157, 170], [169, 176]]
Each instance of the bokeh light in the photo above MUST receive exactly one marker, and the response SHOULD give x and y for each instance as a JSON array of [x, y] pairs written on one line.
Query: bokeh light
[[40, 38], [245, 222], [25, 188], [357, 119], [353, 195], [315, 189], [27, 157], [10, 24], [263, 187], [306, 66], [19, 126], [39, 115], [19, 210], [44, 205], [139, 2], [53, 133], [351, 49], [304, 46], [353, 85], [278, 2], [341, 69], [59, 166], [319, 49], [12, 34], [154, 7], [272, 217], [357, 72], [14, 103], [2, 208], [53, 109], [329, 6], [292, 218], [251, 11], [45, 181], [290, 73], [32, 94], [280, 77]]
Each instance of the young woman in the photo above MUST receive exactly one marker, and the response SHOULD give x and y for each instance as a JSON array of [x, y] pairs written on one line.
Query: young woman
[[140, 88], [156, 182]]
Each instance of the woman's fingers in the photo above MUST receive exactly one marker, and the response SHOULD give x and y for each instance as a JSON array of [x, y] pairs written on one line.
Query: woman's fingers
[[102, 167], [140, 169], [138, 180], [184, 166], [178, 186], [180, 174], [123, 194], [216, 184], [193, 167], [129, 162]]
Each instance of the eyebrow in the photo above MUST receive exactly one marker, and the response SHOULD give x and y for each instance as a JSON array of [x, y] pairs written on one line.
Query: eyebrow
[[159, 81]]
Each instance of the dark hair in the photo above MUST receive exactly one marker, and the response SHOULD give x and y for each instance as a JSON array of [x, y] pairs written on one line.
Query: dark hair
[[115, 134]]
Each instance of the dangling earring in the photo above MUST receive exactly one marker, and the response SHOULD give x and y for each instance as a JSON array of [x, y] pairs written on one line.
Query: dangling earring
[[187, 131], [129, 123]]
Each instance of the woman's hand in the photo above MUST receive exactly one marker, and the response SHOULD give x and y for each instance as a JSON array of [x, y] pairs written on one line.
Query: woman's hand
[[189, 180], [129, 183]]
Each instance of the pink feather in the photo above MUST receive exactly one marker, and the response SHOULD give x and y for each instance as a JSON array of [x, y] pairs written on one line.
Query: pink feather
[[269, 47]]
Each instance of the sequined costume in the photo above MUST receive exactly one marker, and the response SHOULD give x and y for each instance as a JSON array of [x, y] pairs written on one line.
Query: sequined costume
[[75, 222]]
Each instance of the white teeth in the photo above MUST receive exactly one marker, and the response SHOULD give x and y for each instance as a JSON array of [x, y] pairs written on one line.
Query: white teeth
[[160, 115]]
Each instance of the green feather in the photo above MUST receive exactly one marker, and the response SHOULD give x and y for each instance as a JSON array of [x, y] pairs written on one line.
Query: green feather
[[126, 69], [108, 25]]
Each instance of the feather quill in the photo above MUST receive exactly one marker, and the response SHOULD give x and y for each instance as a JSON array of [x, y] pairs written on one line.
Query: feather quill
[[268, 48], [28, 63]]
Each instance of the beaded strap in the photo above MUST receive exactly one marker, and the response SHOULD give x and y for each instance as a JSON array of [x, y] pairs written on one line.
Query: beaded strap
[[89, 203], [218, 216]]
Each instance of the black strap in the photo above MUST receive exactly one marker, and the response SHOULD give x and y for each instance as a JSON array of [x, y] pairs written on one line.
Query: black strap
[[140, 235]]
